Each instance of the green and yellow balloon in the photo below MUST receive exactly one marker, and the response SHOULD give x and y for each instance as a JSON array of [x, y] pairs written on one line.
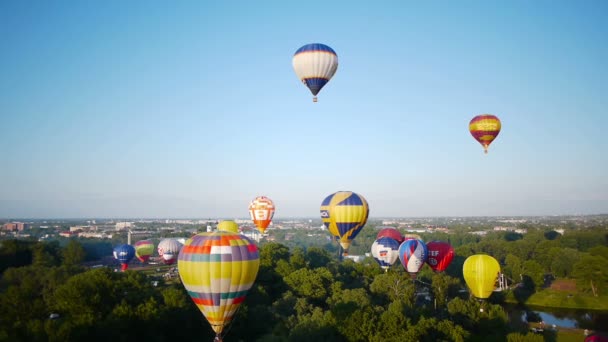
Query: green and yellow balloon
[[228, 226]]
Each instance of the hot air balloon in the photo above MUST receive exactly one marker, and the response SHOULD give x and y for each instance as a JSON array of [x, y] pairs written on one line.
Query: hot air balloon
[[485, 128], [144, 250], [386, 251], [344, 213], [124, 254], [218, 269], [168, 249], [440, 255], [413, 254], [315, 64], [261, 210], [228, 226], [480, 272], [390, 232], [596, 337]]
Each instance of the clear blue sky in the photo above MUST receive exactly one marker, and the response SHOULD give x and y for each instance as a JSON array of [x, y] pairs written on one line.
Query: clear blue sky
[[192, 108]]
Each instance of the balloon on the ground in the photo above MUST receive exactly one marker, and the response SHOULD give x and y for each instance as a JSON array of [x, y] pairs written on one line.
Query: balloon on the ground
[[413, 254], [144, 250], [228, 226], [261, 211], [124, 254], [168, 250], [485, 128], [481, 272], [390, 232], [218, 269], [440, 256], [344, 214], [315, 64], [386, 251]]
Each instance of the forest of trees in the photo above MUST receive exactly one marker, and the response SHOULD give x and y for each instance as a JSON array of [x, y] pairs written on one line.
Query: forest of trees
[[301, 293]]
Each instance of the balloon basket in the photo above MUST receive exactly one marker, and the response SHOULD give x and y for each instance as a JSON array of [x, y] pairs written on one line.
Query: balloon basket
[[314, 99]]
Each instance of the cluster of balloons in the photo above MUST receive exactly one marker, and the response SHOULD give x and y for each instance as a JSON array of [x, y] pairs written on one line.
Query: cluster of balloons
[[413, 253], [143, 250], [315, 64]]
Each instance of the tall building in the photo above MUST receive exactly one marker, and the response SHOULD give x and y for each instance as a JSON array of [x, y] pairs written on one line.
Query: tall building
[[15, 226]]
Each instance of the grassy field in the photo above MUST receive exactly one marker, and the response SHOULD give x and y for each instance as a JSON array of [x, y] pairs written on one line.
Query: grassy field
[[562, 334], [559, 299]]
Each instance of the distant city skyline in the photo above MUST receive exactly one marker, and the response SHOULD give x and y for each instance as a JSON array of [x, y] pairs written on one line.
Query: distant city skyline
[[191, 109]]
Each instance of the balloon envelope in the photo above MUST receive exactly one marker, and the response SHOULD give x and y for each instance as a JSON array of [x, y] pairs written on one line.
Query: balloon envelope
[[228, 226], [218, 269], [315, 64], [440, 256], [386, 251], [344, 214], [124, 254], [168, 250], [390, 232], [412, 254], [144, 250], [480, 272], [484, 128], [261, 211]]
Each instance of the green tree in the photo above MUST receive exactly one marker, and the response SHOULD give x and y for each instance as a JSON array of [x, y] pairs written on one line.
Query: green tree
[[441, 285], [591, 274], [534, 271], [73, 253], [394, 286], [312, 284]]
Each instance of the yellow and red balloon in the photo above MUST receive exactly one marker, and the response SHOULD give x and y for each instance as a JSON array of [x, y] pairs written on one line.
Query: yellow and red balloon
[[485, 128]]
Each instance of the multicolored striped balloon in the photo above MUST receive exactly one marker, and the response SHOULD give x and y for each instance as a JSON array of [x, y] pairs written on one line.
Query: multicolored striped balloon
[[218, 269], [344, 213], [315, 64], [485, 128], [144, 250], [261, 211], [413, 254]]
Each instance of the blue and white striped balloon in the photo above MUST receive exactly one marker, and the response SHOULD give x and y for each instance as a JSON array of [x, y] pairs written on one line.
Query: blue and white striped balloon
[[386, 251], [315, 64]]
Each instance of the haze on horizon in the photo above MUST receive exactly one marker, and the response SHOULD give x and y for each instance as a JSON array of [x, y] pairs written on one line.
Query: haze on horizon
[[178, 110]]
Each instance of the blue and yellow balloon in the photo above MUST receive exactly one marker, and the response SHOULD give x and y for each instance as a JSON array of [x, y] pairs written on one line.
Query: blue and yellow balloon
[[344, 214]]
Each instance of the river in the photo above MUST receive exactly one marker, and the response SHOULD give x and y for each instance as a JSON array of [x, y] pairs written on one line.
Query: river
[[565, 318]]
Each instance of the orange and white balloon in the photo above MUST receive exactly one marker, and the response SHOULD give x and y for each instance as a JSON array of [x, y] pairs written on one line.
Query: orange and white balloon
[[261, 210]]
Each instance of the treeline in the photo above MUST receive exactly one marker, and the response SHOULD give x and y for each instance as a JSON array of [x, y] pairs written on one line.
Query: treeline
[[301, 294]]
